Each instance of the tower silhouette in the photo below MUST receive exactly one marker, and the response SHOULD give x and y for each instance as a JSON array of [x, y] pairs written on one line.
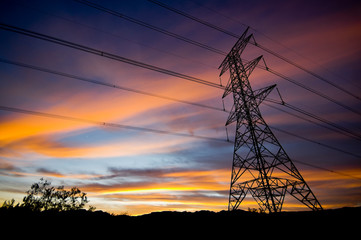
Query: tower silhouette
[[260, 166]]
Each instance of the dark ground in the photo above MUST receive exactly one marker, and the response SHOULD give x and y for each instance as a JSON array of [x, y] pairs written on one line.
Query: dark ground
[[344, 221]]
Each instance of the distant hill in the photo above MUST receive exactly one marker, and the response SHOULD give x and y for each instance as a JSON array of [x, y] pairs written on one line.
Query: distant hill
[[205, 214], [343, 220]]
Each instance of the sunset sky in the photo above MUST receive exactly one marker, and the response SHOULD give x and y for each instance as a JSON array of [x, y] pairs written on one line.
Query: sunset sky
[[126, 170]]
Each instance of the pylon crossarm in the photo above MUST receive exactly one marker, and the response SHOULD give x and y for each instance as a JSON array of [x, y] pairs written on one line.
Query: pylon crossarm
[[262, 93]]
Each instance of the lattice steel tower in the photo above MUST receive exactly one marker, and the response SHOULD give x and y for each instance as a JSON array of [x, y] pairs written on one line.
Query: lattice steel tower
[[260, 166]]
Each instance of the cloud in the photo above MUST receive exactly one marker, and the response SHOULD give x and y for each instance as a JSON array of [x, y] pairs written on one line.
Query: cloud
[[44, 172], [160, 180], [53, 146], [138, 189], [39, 134], [145, 190]]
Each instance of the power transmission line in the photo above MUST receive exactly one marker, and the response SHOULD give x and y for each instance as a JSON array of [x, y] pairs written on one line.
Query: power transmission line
[[316, 142], [141, 23], [255, 44], [306, 70], [72, 76], [194, 18], [315, 92], [122, 37], [308, 120], [334, 125], [147, 25], [328, 170], [105, 54]]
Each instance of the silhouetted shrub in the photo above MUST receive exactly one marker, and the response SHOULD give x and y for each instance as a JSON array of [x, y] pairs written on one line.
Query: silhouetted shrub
[[44, 197]]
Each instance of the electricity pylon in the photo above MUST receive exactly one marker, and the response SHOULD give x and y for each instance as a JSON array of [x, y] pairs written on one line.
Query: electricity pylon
[[260, 166]]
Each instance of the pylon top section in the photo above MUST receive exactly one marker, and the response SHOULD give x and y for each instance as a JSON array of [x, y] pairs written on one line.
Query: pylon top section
[[236, 51]]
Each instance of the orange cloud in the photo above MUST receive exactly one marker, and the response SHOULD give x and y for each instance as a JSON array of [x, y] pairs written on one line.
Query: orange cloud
[[208, 189], [179, 190], [180, 183], [37, 133]]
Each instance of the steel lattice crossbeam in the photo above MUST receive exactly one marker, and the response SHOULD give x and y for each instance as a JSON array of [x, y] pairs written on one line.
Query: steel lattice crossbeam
[[260, 166]]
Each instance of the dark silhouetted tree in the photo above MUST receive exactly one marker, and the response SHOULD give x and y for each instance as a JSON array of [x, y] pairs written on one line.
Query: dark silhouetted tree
[[42, 196]]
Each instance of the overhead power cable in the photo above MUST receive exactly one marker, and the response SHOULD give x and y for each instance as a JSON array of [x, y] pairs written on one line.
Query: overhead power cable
[[72, 76], [255, 44], [316, 142], [208, 24], [116, 35], [315, 92], [328, 170], [106, 124], [317, 122], [105, 54], [318, 118], [266, 68], [147, 25], [306, 70]]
